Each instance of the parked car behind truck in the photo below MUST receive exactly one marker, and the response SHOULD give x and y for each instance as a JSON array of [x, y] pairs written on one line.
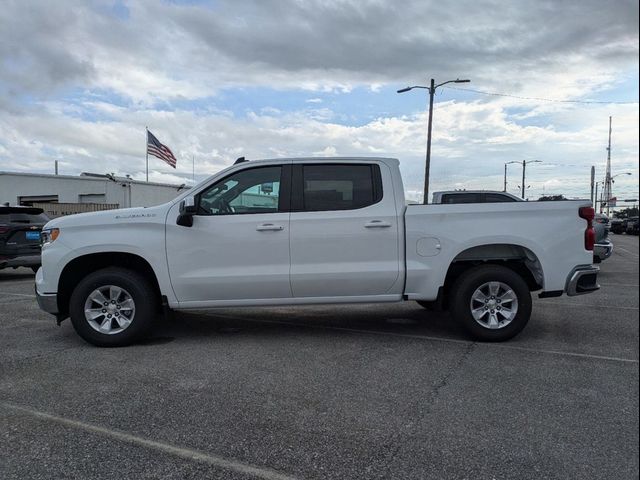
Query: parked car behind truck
[[20, 236], [473, 196], [339, 232], [603, 248]]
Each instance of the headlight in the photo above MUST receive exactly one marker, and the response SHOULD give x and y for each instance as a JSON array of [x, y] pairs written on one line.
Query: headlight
[[49, 235]]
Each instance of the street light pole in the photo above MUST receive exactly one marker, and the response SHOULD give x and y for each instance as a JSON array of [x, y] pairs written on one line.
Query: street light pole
[[611, 192], [524, 168], [505, 174], [427, 164], [432, 90], [504, 189]]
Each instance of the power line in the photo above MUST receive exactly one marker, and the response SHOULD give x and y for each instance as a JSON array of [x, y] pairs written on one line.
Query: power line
[[540, 99]]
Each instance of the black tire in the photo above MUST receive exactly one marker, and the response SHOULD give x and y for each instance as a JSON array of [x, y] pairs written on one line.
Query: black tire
[[145, 300], [470, 281]]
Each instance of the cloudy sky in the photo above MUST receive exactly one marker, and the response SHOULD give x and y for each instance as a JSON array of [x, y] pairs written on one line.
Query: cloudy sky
[[215, 80]]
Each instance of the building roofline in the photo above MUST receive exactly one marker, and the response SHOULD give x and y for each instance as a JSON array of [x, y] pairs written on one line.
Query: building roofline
[[97, 177]]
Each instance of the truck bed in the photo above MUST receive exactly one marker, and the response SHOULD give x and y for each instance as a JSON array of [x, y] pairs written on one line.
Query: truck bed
[[548, 234]]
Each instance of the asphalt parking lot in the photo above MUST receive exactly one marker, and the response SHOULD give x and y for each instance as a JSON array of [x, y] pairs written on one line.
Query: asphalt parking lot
[[363, 391]]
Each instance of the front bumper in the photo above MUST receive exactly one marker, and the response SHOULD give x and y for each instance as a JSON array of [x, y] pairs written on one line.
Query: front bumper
[[47, 302], [582, 280], [603, 250]]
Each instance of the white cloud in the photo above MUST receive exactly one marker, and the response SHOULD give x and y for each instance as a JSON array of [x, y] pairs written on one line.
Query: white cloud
[[131, 72]]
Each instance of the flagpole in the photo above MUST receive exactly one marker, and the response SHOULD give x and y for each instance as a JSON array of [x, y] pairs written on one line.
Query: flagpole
[[146, 149]]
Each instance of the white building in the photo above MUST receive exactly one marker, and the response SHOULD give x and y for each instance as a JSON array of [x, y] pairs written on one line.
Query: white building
[[98, 190]]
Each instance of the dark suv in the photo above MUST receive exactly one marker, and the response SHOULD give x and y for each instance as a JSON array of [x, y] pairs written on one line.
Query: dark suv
[[20, 236]]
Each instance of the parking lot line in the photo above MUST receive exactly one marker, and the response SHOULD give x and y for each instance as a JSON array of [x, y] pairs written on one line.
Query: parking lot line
[[195, 455], [12, 300], [586, 305], [627, 251], [434, 338], [17, 294]]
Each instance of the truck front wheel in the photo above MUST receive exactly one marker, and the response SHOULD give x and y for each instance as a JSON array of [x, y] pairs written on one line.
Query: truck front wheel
[[113, 307], [492, 302]]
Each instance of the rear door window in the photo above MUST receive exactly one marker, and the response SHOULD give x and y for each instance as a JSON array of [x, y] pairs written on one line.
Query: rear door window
[[340, 187]]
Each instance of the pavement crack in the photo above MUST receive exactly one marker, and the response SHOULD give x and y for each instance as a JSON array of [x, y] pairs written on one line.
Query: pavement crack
[[422, 413]]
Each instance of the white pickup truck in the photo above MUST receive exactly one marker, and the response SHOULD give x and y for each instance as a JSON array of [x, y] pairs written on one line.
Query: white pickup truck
[[311, 231]]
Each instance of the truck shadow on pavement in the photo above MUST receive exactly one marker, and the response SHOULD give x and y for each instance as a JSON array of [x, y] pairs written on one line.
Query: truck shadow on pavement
[[273, 322], [9, 276]]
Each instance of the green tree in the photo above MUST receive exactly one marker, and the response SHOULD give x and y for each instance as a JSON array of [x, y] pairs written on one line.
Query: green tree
[[627, 212]]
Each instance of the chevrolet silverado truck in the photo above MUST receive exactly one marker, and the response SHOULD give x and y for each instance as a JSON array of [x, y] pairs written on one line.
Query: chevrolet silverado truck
[[312, 231]]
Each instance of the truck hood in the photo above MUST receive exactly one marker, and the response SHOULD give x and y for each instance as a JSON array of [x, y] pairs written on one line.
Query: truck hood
[[111, 217]]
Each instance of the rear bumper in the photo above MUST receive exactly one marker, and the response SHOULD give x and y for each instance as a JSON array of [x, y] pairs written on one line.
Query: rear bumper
[[603, 250], [582, 280]]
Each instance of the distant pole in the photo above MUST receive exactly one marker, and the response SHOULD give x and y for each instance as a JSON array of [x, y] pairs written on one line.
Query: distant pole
[[146, 149], [427, 166], [593, 178], [56, 164], [607, 186], [524, 167], [504, 189], [595, 205], [432, 90]]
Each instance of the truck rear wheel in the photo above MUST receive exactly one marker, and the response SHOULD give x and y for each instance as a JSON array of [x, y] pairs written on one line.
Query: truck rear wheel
[[492, 302], [113, 307]]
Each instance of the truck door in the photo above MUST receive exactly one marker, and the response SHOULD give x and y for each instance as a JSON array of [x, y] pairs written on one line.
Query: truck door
[[344, 231], [238, 245]]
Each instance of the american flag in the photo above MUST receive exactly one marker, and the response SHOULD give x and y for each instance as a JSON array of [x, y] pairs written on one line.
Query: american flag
[[155, 148]]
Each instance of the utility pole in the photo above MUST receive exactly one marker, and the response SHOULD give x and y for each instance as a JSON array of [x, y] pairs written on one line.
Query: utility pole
[[146, 149], [505, 174], [427, 165], [593, 178], [504, 189], [606, 191], [432, 90], [524, 169]]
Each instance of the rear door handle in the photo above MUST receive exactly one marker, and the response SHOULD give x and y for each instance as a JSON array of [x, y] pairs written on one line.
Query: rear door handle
[[377, 224], [269, 227]]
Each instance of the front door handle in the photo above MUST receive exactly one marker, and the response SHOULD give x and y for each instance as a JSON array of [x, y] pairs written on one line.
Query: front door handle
[[377, 224], [269, 227]]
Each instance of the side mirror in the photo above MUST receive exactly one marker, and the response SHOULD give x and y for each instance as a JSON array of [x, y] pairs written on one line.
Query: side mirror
[[187, 209], [188, 205]]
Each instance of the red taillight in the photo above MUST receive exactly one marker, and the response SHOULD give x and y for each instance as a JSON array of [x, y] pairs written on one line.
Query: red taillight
[[588, 213], [4, 229], [589, 238]]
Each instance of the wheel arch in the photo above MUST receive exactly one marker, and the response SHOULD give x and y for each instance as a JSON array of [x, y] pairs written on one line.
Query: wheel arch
[[83, 265], [518, 258]]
